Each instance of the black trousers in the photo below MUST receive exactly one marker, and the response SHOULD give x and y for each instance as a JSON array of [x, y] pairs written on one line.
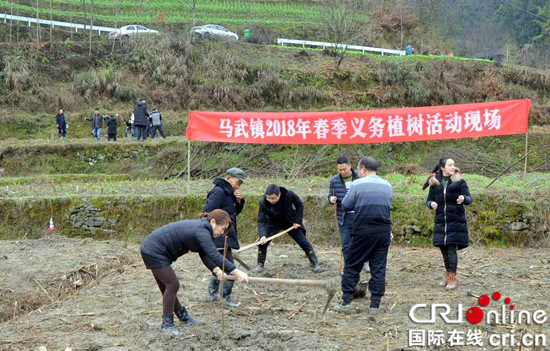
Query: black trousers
[[366, 247], [227, 284], [154, 130], [141, 132], [111, 136], [299, 236], [450, 257]]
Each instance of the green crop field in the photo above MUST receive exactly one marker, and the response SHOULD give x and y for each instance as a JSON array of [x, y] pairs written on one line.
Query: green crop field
[[239, 13]]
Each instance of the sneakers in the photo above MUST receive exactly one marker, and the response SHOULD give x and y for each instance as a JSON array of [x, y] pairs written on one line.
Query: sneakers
[[452, 281], [229, 301], [366, 267], [185, 318], [445, 281], [343, 307], [259, 268], [168, 324], [374, 310]]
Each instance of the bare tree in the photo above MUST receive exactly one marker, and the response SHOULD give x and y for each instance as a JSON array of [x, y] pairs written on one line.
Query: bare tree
[[37, 27], [11, 21], [344, 22], [51, 22], [194, 12], [91, 26], [117, 11]]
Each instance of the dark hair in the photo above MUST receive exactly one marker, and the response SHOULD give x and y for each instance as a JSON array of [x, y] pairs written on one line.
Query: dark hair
[[369, 163], [272, 189], [342, 160], [437, 169], [221, 217]]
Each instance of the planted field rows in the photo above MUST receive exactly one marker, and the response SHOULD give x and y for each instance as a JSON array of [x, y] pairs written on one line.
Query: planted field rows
[[170, 11]]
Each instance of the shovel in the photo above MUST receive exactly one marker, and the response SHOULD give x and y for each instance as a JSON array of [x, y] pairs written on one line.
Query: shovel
[[254, 244]]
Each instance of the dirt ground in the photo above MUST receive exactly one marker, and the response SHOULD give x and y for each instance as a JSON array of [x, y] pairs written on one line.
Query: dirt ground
[[98, 296]]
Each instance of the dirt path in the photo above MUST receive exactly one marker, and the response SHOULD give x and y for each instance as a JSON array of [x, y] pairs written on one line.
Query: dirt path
[[121, 310]]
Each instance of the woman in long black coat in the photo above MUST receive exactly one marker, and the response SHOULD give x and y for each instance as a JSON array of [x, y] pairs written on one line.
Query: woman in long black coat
[[448, 195], [163, 246]]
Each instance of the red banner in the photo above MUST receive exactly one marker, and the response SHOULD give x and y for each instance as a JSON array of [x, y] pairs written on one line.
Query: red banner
[[358, 127]]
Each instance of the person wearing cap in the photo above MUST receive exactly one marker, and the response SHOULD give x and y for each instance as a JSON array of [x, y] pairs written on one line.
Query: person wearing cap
[[226, 195], [280, 209]]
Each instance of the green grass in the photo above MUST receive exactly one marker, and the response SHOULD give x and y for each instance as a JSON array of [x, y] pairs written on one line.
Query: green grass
[[386, 57], [81, 185]]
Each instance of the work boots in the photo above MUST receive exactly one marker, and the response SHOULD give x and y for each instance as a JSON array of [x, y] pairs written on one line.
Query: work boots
[[314, 261], [168, 324], [185, 318], [445, 281], [452, 281], [213, 289], [261, 260]]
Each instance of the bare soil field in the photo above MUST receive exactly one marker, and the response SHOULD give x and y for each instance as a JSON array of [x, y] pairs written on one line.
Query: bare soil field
[[97, 295]]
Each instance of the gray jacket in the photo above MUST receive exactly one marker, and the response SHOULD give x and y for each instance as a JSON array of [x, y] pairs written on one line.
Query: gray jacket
[[156, 118]]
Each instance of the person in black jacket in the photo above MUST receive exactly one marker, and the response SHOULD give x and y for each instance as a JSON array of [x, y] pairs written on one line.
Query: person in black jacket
[[61, 124], [448, 195], [338, 188], [111, 127], [226, 195], [141, 119], [280, 209], [163, 246]]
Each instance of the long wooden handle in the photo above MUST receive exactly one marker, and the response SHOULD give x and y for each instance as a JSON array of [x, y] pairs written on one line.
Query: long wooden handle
[[257, 243], [300, 282]]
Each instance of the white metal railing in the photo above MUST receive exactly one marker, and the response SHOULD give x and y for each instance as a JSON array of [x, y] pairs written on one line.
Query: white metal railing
[[74, 26], [304, 43]]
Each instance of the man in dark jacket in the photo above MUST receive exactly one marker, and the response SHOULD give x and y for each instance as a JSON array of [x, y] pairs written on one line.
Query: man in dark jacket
[[370, 197], [281, 209], [61, 124], [111, 127], [226, 196], [97, 123], [141, 119], [339, 186], [156, 121]]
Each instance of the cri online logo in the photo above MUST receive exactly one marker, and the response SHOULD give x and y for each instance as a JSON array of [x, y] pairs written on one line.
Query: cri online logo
[[475, 315]]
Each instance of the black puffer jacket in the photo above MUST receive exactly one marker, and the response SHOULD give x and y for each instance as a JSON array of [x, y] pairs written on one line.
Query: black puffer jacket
[[338, 188], [450, 226], [141, 115], [293, 207], [222, 197], [111, 125], [176, 239]]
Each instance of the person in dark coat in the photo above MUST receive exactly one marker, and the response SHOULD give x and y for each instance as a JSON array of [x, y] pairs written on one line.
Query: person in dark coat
[[371, 198], [339, 186], [448, 195], [280, 209], [226, 195], [111, 127], [61, 124], [163, 246], [141, 119]]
